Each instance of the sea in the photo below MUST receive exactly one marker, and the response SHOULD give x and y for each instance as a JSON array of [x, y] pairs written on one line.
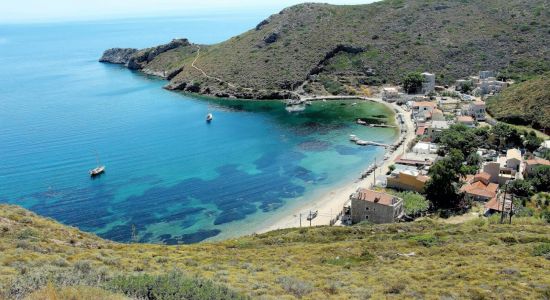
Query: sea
[[170, 177]]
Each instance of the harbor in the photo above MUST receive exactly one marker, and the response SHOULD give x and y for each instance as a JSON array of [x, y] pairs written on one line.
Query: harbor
[[329, 202]]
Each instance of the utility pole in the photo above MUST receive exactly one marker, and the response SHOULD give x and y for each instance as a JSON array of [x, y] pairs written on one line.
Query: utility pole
[[504, 202], [310, 218], [511, 209], [374, 172], [300, 219]]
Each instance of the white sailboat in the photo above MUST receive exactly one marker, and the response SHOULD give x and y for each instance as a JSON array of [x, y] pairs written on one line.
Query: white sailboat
[[97, 170]]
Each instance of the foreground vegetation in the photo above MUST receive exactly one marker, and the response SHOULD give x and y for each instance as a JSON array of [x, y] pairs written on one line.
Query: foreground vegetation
[[426, 259]]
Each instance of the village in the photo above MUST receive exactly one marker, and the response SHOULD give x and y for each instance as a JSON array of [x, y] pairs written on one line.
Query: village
[[460, 161]]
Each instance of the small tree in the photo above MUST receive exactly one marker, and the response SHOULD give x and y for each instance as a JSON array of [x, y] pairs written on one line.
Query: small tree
[[412, 82], [466, 87], [521, 188], [540, 179], [414, 203], [532, 141], [442, 188]]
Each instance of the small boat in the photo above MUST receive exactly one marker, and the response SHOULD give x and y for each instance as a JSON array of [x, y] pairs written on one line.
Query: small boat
[[361, 122], [97, 171], [209, 117], [312, 215], [295, 108], [100, 169], [353, 137], [361, 143]]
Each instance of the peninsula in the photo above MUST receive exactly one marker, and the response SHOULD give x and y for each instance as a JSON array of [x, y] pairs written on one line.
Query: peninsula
[[321, 49]]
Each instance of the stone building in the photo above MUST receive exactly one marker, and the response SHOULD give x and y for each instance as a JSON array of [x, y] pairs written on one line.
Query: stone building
[[375, 207]]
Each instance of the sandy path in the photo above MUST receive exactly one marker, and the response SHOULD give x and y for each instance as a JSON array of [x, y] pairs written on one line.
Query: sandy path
[[332, 202]]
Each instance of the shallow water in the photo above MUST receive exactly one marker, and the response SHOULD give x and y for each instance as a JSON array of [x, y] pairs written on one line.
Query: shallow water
[[170, 177]]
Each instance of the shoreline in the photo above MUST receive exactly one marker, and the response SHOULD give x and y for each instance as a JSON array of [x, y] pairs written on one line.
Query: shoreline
[[331, 204]]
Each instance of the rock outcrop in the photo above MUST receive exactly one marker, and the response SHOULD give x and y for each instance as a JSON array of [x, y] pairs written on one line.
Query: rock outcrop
[[140, 59], [118, 55]]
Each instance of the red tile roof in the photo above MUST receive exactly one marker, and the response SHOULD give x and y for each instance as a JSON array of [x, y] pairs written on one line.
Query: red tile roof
[[483, 176], [538, 161], [465, 119], [478, 188], [494, 204], [421, 130], [424, 103], [377, 197]]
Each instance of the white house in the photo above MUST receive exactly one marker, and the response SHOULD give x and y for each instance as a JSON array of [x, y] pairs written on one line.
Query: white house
[[476, 109], [428, 85]]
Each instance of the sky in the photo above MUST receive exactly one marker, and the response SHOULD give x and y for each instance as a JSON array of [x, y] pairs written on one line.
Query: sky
[[33, 11]]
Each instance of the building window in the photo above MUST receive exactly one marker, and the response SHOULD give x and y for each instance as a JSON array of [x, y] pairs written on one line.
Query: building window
[[367, 208], [366, 217]]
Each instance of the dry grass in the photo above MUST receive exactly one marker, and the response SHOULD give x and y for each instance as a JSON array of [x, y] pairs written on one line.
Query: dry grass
[[50, 292], [425, 259]]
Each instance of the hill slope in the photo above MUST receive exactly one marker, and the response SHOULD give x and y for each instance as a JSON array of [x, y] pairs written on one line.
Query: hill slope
[[320, 48], [526, 103], [426, 260]]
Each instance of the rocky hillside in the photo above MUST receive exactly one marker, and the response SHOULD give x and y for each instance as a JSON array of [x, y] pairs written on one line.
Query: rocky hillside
[[526, 103], [424, 260], [320, 48]]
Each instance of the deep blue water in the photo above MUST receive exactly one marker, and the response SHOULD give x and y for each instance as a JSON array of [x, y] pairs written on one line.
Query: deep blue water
[[170, 177]]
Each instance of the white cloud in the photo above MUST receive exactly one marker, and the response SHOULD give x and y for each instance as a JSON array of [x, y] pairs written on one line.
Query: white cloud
[[63, 10]]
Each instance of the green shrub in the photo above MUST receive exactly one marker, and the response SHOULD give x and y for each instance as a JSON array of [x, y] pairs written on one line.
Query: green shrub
[[172, 286], [426, 240], [542, 250]]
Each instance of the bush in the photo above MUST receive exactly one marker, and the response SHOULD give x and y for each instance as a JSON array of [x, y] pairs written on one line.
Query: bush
[[295, 286], [426, 240], [542, 250], [414, 203]]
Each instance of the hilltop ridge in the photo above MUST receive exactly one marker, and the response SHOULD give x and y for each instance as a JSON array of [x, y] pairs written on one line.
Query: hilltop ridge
[[334, 49]]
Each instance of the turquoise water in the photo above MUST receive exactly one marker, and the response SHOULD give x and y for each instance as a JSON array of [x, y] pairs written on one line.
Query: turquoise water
[[170, 178]]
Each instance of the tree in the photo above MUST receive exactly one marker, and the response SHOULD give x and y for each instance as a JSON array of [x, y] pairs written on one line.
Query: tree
[[540, 179], [442, 188], [466, 87], [414, 203], [532, 141], [459, 137], [521, 188], [472, 163], [413, 82], [506, 136]]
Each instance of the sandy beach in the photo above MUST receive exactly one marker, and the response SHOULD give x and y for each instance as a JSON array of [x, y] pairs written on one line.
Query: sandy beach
[[331, 203]]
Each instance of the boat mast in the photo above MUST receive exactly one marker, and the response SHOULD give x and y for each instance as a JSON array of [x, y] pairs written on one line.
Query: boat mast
[[97, 158]]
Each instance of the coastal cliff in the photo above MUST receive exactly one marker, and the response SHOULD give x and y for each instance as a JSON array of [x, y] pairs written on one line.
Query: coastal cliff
[[118, 55], [321, 49]]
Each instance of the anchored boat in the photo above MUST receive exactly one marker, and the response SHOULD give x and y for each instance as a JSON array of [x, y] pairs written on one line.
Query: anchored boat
[[209, 117], [97, 171], [100, 169]]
